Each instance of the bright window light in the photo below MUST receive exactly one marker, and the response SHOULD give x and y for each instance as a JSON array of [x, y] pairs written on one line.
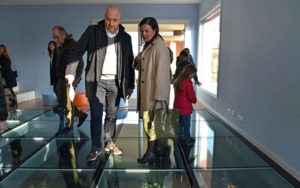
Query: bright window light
[[209, 44]]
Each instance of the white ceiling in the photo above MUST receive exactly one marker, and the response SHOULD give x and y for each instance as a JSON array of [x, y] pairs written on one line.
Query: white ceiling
[[53, 2]]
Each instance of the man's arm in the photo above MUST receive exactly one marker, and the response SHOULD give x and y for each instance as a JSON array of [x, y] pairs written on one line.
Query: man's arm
[[131, 75], [79, 70], [75, 54], [130, 68]]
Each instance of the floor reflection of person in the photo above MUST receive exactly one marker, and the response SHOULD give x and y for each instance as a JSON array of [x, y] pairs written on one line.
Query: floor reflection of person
[[162, 161], [179, 178], [153, 64], [16, 151], [68, 160]]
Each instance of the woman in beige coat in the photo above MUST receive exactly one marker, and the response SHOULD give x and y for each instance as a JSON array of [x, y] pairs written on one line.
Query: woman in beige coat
[[153, 64]]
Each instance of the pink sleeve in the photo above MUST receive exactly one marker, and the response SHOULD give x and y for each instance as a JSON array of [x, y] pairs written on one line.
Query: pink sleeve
[[190, 93]]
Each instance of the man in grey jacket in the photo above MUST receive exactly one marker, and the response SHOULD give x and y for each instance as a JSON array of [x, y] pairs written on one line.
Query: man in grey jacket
[[109, 75]]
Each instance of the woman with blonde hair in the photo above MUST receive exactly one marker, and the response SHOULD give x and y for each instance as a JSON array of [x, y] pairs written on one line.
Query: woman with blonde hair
[[9, 78]]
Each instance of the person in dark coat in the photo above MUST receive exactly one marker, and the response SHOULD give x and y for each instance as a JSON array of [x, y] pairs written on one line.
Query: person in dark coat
[[189, 57], [66, 42], [8, 74], [109, 75], [52, 51], [183, 61], [3, 110]]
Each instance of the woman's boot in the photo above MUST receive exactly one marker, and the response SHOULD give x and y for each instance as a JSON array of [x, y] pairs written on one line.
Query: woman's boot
[[149, 155], [13, 97]]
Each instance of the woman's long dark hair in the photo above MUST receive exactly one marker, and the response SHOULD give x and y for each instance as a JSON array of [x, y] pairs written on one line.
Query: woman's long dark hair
[[153, 24], [50, 42], [5, 53], [187, 71]]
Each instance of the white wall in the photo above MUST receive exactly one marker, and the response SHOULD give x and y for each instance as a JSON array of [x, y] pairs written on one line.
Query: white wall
[[259, 74]]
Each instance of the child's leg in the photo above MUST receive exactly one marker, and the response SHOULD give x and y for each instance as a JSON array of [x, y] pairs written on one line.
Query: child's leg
[[187, 123], [180, 126]]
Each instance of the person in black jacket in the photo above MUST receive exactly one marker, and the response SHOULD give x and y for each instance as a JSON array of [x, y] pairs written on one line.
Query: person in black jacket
[[65, 42], [3, 110], [189, 57], [52, 51], [7, 73], [109, 75], [183, 61]]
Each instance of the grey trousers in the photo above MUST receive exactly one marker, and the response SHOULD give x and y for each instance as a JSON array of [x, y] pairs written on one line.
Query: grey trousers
[[108, 96]]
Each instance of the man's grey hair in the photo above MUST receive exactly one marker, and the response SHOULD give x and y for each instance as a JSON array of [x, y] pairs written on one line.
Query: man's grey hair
[[60, 28]]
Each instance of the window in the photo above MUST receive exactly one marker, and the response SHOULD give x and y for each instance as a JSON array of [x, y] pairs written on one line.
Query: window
[[209, 47]]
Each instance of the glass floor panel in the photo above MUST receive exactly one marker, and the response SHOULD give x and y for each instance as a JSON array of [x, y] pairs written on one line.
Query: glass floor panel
[[33, 129], [217, 158], [16, 117], [167, 155], [4, 171], [82, 132], [132, 131], [58, 178], [15, 150], [49, 116], [23, 115], [127, 115], [235, 178], [12, 123], [200, 115], [221, 152], [143, 179], [208, 129], [64, 153]]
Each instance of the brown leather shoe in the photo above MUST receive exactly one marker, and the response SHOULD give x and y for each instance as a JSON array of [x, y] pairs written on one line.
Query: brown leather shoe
[[93, 154], [109, 147], [112, 147]]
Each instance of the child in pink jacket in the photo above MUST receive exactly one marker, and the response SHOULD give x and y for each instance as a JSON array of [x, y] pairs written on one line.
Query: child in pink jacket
[[184, 97]]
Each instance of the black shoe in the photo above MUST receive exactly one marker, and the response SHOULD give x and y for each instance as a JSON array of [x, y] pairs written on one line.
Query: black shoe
[[58, 110], [13, 103], [55, 108], [64, 131], [147, 158], [190, 140], [81, 119]]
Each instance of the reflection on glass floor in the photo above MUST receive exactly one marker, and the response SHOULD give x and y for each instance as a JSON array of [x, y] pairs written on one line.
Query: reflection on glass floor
[[143, 178], [34, 153]]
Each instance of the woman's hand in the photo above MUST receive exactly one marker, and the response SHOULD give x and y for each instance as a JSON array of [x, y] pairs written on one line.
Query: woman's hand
[[198, 83], [137, 61], [138, 57]]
